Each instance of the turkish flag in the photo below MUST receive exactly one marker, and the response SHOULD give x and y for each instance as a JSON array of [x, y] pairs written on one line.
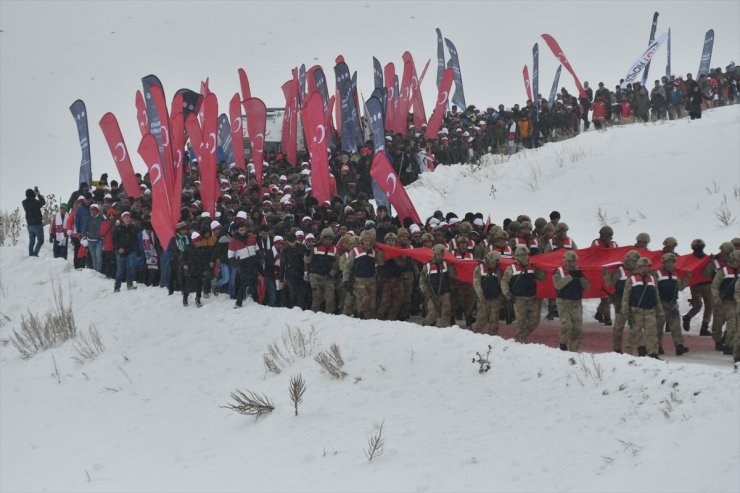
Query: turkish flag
[[417, 103], [399, 125], [444, 95], [177, 133], [591, 261], [164, 121], [525, 74], [209, 187], [141, 115], [558, 52], [389, 74], [388, 181], [162, 219], [112, 133], [244, 84], [256, 122], [237, 132], [289, 138], [316, 139]]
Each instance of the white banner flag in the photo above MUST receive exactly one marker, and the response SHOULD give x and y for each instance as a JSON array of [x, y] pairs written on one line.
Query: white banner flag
[[643, 60]]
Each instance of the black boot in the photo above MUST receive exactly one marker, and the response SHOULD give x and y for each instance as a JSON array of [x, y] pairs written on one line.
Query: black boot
[[655, 356], [681, 349], [686, 321], [599, 317], [642, 351], [469, 320], [184, 301], [198, 303], [563, 347], [704, 329], [607, 320]]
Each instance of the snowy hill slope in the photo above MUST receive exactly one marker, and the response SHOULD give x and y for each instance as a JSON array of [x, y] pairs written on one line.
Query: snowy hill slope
[[145, 414], [667, 179]]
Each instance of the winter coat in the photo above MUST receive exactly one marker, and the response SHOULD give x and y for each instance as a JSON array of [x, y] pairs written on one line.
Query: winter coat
[[124, 237], [92, 227], [32, 207]]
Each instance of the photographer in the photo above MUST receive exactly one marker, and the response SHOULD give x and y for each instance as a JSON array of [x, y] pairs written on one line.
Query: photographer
[[32, 206]]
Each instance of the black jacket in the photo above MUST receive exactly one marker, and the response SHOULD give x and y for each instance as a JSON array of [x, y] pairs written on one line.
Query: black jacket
[[125, 237], [33, 206]]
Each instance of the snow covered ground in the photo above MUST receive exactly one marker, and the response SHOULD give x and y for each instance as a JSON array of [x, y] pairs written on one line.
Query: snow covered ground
[[146, 416]]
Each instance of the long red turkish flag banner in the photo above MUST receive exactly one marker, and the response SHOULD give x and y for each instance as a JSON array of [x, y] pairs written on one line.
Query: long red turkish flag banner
[[558, 52], [388, 181], [112, 133], [591, 261]]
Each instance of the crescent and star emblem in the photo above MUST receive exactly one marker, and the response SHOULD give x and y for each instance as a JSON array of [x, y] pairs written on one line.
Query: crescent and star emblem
[[237, 124], [322, 129], [165, 136], [391, 177], [261, 139], [178, 162], [443, 100], [212, 136], [159, 173], [123, 152]]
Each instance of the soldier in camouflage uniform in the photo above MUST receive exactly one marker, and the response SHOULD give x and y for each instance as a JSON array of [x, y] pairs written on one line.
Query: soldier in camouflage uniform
[[701, 291], [347, 298], [719, 262], [570, 285], [434, 283], [359, 275], [408, 274], [669, 286], [487, 286], [642, 304], [618, 279], [725, 306], [462, 292], [605, 240], [390, 272], [323, 267], [520, 283]]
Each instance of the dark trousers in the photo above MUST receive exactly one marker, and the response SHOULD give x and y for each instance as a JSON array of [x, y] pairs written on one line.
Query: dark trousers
[[247, 279]]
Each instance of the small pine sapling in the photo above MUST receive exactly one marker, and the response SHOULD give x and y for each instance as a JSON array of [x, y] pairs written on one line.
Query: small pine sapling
[[297, 388], [483, 360]]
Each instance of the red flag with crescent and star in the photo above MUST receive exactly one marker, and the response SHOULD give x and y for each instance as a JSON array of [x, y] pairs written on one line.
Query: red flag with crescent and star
[[112, 133], [177, 133], [314, 127], [244, 84], [209, 186], [162, 219], [444, 95], [256, 122], [525, 74], [389, 76], [558, 52], [141, 115], [388, 181], [417, 103], [237, 132], [404, 96]]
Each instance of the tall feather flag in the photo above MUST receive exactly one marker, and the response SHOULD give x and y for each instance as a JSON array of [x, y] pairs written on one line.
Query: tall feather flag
[[79, 113], [558, 52], [256, 112], [117, 146]]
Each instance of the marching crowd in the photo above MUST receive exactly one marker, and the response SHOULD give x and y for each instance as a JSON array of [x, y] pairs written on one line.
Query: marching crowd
[[278, 246]]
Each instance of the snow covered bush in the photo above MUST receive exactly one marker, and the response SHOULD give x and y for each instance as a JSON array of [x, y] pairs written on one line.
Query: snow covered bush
[[295, 342], [38, 334], [10, 226], [332, 362], [250, 403], [87, 348]]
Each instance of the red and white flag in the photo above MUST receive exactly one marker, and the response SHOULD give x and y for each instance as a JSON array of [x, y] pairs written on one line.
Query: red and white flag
[[162, 219], [141, 115], [112, 133], [244, 84], [389, 76], [444, 95], [388, 181], [237, 132], [525, 74], [317, 142], [558, 52], [404, 97], [256, 122], [209, 186]]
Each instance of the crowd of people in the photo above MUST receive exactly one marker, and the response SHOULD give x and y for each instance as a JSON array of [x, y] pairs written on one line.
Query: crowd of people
[[278, 246]]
